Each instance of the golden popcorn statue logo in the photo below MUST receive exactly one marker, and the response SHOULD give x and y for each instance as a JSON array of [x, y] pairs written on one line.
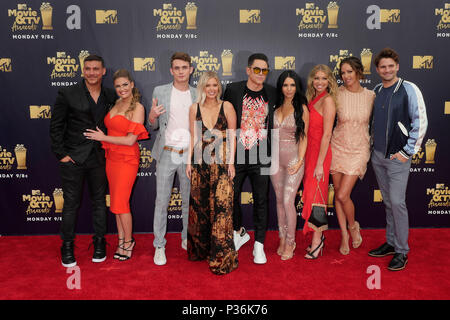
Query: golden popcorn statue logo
[[58, 198], [144, 64], [333, 11], [444, 22], [64, 66], [81, 56], [430, 151], [285, 63], [46, 14], [447, 107], [40, 112], [39, 202], [366, 59], [5, 65], [106, 17], [227, 62], [377, 196], [26, 19], [422, 62], [21, 156], [191, 15], [250, 16]]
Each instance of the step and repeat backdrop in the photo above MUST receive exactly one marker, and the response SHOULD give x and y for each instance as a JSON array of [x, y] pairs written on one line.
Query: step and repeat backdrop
[[43, 44]]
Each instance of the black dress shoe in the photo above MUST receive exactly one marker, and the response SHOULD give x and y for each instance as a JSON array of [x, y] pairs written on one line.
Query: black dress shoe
[[99, 249], [398, 262], [67, 255], [384, 250]]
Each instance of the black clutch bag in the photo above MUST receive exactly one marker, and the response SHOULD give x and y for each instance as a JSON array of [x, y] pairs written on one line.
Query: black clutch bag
[[318, 219]]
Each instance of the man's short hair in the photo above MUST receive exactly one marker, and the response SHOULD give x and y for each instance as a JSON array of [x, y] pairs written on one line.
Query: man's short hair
[[257, 56], [180, 56], [94, 57], [386, 53]]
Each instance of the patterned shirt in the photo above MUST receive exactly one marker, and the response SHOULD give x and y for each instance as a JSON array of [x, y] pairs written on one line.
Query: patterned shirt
[[253, 122]]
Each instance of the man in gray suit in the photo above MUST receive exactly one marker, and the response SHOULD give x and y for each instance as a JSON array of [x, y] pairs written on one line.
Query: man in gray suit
[[170, 116]]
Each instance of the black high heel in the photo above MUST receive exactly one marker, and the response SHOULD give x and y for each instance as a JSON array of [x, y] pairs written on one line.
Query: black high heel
[[132, 243], [116, 254], [308, 249], [310, 255]]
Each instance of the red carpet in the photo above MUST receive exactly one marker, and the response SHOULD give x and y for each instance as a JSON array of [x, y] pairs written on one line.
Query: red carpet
[[30, 269]]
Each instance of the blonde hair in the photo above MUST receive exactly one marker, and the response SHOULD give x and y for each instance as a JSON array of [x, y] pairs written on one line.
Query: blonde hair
[[202, 81], [123, 73], [332, 84]]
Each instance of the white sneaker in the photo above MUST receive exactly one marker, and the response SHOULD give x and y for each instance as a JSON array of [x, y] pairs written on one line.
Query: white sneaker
[[240, 238], [258, 253], [160, 257], [184, 244]]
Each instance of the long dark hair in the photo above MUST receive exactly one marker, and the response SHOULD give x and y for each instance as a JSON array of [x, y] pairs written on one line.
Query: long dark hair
[[298, 101]]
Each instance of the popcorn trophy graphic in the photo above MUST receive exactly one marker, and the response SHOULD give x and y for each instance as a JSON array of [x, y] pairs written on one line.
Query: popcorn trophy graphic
[[333, 10], [21, 156], [227, 61], [83, 54], [58, 197], [366, 59], [46, 13], [191, 15], [430, 151]]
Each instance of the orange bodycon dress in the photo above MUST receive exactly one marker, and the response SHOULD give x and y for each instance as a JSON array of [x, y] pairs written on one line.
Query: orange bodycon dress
[[122, 162]]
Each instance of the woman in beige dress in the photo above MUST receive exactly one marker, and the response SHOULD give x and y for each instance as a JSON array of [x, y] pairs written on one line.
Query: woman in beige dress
[[350, 145]]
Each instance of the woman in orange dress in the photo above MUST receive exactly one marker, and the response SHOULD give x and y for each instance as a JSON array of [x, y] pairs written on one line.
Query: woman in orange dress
[[125, 126], [321, 94], [350, 145]]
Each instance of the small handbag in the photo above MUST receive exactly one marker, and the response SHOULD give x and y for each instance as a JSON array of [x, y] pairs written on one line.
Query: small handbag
[[318, 219]]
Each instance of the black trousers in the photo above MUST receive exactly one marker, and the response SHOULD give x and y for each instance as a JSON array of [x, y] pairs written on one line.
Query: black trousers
[[73, 177], [260, 190]]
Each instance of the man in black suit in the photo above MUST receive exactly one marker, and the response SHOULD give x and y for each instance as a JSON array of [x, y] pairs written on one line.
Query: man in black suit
[[77, 108], [254, 103]]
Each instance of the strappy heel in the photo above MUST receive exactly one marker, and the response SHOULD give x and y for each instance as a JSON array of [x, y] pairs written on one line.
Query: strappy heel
[[289, 255], [117, 255], [356, 229], [308, 249], [310, 255], [132, 243]]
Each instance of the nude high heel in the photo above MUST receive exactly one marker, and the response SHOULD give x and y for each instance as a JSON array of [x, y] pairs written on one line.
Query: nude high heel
[[358, 239]]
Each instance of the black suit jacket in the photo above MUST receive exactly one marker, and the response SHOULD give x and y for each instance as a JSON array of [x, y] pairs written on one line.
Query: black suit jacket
[[234, 93], [71, 116]]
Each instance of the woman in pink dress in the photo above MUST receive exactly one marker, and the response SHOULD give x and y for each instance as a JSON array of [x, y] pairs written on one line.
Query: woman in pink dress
[[291, 118], [350, 145], [321, 94]]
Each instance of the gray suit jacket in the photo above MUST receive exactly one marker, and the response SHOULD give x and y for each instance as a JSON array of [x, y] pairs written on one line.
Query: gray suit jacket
[[163, 94]]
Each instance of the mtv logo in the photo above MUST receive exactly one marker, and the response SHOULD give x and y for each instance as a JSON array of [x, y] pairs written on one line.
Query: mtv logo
[[167, 6], [250, 16], [422, 62], [35, 192], [106, 16], [5, 65], [21, 6], [447, 107], [203, 53], [390, 15], [144, 64], [377, 197], [343, 53], [40, 112], [309, 5], [440, 186], [447, 6], [60, 54], [284, 63], [246, 198]]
